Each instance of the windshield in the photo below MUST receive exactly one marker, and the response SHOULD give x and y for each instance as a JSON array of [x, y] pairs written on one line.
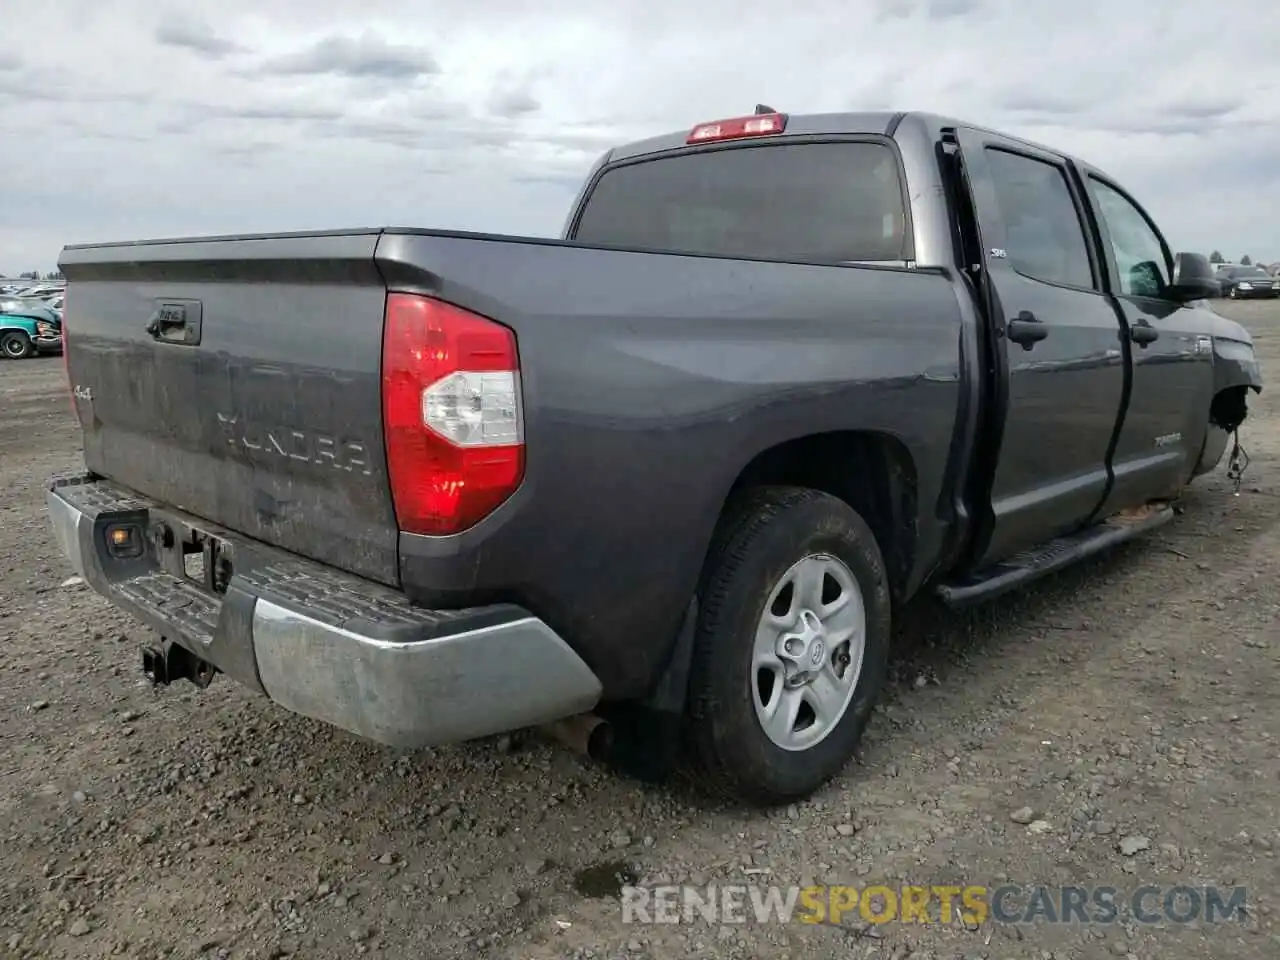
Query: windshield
[[1250, 272], [812, 202]]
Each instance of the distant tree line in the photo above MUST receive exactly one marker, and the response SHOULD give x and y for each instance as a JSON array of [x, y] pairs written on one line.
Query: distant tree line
[[1216, 257], [36, 275]]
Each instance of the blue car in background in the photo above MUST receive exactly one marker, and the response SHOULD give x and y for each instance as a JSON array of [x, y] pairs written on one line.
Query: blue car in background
[[28, 328]]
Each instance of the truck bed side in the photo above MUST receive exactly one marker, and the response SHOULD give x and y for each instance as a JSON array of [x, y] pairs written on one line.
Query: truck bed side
[[651, 382]]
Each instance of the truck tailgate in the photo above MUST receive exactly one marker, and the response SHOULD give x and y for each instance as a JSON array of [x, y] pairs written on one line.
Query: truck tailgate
[[239, 381]]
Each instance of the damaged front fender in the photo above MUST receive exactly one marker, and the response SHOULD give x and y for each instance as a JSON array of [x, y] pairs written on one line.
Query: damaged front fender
[[1235, 373], [1235, 365]]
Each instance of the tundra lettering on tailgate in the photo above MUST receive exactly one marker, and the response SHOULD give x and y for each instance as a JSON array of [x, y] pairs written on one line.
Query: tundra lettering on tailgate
[[304, 446]]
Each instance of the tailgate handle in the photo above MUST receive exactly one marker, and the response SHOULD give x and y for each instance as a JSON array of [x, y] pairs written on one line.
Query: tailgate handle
[[176, 322]]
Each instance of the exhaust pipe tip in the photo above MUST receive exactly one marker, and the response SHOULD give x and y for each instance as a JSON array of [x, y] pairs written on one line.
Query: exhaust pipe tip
[[644, 744], [586, 734], [600, 742]]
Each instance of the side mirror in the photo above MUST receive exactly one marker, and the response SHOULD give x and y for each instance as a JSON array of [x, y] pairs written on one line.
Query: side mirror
[[1193, 279]]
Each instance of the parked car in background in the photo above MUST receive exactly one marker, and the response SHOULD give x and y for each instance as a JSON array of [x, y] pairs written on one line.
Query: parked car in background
[[31, 289], [28, 328], [1239, 282], [43, 290]]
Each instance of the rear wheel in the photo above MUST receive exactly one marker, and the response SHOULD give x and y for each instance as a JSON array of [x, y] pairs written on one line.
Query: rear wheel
[[16, 345], [791, 648]]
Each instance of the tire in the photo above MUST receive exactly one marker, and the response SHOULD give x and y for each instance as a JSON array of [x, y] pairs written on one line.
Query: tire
[[16, 345], [769, 533]]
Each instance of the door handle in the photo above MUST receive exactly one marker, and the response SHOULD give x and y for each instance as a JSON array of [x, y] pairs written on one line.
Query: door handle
[[1143, 333], [1026, 330]]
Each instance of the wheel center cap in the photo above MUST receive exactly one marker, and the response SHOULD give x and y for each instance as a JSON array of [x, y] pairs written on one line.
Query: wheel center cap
[[817, 651], [805, 649]]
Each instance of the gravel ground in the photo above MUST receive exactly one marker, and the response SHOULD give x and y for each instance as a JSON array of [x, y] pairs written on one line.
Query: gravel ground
[[1116, 725]]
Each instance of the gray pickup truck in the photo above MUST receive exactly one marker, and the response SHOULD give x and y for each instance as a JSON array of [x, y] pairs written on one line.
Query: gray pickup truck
[[663, 480]]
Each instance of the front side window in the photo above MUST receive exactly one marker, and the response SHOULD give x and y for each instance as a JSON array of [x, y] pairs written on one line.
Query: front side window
[[1142, 270], [829, 203], [1043, 235]]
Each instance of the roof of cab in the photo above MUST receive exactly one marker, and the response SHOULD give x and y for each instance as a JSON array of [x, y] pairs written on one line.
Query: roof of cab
[[798, 124], [883, 123]]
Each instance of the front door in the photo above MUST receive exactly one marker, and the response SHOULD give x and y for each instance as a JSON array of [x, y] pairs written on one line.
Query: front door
[[1060, 339], [1171, 355]]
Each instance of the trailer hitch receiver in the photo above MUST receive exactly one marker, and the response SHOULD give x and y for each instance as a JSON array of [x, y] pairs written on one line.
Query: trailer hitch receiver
[[169, 662]]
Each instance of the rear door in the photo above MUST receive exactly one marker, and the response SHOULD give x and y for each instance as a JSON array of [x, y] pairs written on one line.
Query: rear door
[[1060, 343], [238, 381], [1170, 350]]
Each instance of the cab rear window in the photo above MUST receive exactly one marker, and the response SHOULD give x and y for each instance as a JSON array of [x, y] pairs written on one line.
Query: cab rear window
[[836, 202]]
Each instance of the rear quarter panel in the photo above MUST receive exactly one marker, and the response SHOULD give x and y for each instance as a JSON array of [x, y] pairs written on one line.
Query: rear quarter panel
[[650, 381]]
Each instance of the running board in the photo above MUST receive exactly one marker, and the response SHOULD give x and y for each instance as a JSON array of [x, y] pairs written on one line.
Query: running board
[[1052, 556]]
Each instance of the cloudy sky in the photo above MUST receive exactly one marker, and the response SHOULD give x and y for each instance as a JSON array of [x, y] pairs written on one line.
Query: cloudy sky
[[127, 119]]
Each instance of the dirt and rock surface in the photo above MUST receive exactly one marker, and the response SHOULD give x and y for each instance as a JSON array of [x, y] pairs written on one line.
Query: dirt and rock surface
[[1115, 726]]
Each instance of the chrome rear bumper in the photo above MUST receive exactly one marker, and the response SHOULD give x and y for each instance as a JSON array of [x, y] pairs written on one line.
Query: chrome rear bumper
[[326, 644]]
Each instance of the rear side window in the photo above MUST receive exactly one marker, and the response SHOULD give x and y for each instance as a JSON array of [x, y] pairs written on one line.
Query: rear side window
[[813, 202], [1043, 234]]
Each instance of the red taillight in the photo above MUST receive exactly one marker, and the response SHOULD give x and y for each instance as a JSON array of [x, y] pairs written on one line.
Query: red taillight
[[451, 414], [757, 125]]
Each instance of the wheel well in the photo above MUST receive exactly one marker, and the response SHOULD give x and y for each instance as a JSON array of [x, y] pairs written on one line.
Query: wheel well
[[872, 472], [1229, 407]]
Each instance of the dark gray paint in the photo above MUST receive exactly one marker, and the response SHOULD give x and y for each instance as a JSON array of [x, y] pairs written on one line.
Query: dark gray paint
[[286, 441], [1171, 382], [650, 381], [1069, 386]]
